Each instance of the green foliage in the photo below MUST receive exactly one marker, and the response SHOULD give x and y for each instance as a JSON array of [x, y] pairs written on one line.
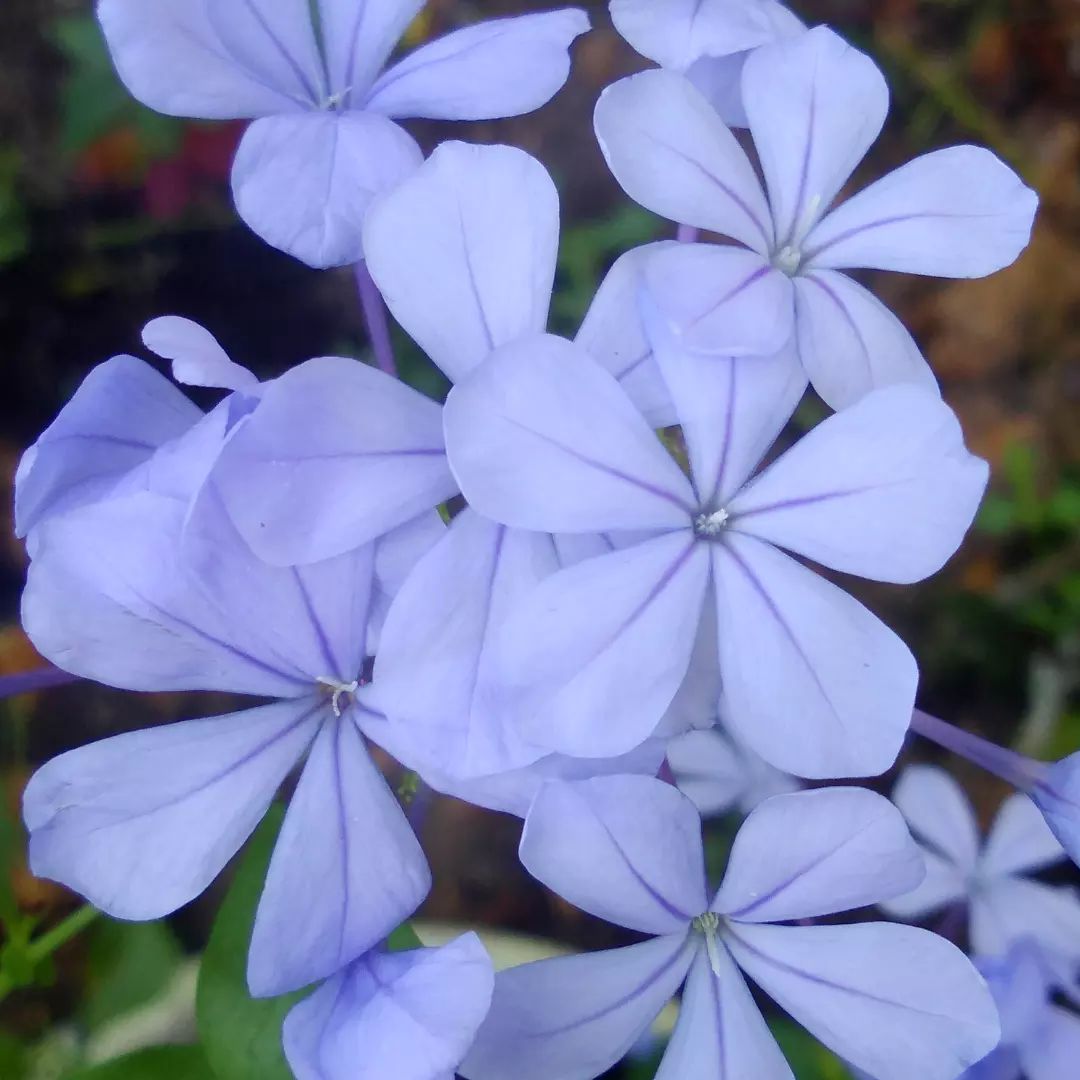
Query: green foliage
[[14, 231], [242, 1035], [809, 1060], [95, 102], [586, 252], [157, 1063], [129, 965]]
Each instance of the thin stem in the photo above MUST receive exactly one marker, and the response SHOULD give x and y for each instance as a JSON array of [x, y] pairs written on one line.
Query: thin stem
[[371, 302], [26, 682], [419, 805], [1013, 768], [48, 943], [687, 234]]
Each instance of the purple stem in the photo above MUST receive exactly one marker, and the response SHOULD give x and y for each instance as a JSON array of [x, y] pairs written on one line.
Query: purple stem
[[1016, 769], [417, 810], [26, 682], [371, 302], [687, 234]]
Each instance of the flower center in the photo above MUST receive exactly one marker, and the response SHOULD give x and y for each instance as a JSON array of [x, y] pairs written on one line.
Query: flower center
[[787, 260], [338, 691], [707, 925], [709, 524]]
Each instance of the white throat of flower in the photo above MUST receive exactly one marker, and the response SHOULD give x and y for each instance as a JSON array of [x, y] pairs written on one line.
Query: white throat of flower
[[335, 101], [789, 256], [707, 925], [338, 691], [709, 525]]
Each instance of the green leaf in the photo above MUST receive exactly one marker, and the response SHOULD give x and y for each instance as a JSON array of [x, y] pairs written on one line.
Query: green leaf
[[130, 963], [242, 1035], [156, 1063], [403, 939], [809, 1060]]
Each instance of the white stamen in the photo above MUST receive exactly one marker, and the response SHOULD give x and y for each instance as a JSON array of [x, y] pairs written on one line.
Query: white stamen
[[335, 100], [708, 924], [787, 260], [711, 524], [339, 689]]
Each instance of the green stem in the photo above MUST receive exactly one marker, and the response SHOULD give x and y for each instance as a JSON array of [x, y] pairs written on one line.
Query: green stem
[[45, 945]]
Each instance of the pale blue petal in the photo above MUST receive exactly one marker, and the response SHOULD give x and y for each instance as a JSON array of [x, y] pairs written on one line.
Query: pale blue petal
[[304, 181], [894, 1000], [190, 58], [500, 67], [336, 454], [346, 836], [624, 848], [672, 154], [197, 357], [613, 334], [464, 251], [885, 489], [141, 823], [815, 853], [574, 1017], [542, 437], [720, 1033], [813, 682], [121, 413], [815, 106], [722, 300], [410, 1015], [850, 343], [956, 213], [579, 656]]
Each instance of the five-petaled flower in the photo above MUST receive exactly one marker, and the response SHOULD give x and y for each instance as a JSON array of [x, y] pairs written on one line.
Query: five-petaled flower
[[815, 105], [628, 850], [312, 76]]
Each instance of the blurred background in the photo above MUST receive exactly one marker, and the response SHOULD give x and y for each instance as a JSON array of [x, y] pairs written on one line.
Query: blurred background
[[111, 215]]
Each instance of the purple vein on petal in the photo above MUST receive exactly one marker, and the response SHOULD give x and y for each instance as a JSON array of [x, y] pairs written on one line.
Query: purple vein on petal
[[343, 841], [233, 766], [821, 981], [804, 174], [845, 314], [806, 868], [287, 56], [649, 888], [607, 1010], [729, 192], [881, 223], [300, 677], [611, 470], [762, 271], [729, 427], [320, 632], [470, 274], [774, 610], [810, 500]]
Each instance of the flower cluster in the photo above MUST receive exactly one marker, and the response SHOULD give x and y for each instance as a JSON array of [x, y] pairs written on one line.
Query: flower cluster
[[625, 599]]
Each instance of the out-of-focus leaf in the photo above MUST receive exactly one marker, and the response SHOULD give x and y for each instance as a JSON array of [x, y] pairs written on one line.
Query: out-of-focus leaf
[[14, 231], [13, 1055], [155, 1063], [585, 254], [130, 963], [403, 939], [94, 101], [809, 1060], [242, 1035]]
